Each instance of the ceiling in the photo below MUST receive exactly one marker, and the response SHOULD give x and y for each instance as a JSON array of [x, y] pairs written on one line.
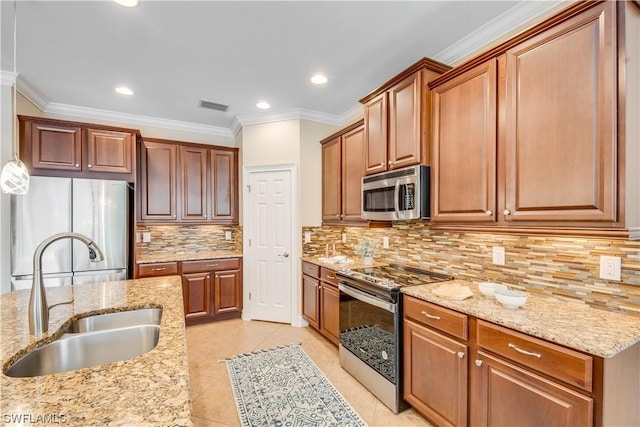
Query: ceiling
[[71, 55]]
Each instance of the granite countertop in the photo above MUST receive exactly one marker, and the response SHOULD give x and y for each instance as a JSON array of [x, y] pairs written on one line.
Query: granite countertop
[[578, 326], [187, 256], [356, 263], [152, 389]]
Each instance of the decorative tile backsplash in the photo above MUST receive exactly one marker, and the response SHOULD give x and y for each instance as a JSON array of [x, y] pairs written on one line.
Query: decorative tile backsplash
[[188, 238], [562, 267]]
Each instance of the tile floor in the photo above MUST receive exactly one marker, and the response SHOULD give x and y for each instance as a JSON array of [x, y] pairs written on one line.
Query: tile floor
[[211, 395]]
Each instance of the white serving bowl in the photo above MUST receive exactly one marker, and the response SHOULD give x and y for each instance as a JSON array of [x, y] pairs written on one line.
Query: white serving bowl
[[511, 298], [488, 288]]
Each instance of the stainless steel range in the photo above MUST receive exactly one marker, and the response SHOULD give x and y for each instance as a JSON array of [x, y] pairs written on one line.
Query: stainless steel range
[[371, 326]]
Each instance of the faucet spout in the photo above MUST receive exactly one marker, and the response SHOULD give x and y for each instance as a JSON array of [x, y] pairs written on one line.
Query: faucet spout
[[38, 307]]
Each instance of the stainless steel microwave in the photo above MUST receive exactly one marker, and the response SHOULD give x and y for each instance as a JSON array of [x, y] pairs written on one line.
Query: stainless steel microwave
[[400, 194]]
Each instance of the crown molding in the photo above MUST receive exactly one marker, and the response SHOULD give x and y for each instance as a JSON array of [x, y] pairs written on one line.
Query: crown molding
[[351, 115], [291, 114], [32, 94], [8, 78], [521, 14]]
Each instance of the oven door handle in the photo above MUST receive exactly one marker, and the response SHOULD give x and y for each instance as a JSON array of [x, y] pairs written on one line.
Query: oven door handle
[[359, 295]]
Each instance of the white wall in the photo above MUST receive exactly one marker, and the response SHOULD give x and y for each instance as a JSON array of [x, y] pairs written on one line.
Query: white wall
[[6, 135]]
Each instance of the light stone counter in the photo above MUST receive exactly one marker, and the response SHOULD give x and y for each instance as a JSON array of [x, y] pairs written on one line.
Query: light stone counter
[[578, 326], [186, 256], [357, 263], [152, 389]]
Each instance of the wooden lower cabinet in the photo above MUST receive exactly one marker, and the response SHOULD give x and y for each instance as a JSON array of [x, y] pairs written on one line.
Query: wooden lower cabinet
[[321, 300], [227, 292], [196, 295], [513, 396]]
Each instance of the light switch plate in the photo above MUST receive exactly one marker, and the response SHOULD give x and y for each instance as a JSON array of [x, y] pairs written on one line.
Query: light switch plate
[[498, 255], [146, 237], [385, 242], [344, 237], [307, 237], [610, 267], [227, 235]]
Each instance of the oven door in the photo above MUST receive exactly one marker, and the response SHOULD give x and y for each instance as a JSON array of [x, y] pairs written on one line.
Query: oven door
[[369, 329]]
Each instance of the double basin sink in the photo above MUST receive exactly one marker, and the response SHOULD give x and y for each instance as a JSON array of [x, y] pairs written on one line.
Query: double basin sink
[[93, 340]]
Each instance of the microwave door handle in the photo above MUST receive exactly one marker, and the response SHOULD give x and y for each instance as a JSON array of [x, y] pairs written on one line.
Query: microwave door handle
[[396, 199]]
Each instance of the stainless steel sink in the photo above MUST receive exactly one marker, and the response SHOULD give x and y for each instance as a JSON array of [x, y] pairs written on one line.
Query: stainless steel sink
[[121, 319], [92, 341]]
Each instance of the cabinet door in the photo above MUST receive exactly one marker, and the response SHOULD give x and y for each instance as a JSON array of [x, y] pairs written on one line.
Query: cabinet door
[[193, 171], [464, 147], [311, 300], [405, 122], [158, 181], [227, 296], [375, 134], [224, 186], [196, 292], [560, 114], [109, 151], [435, 375], [329, 312], [56, 147], [352, 172], [509, 396], [331, 180]]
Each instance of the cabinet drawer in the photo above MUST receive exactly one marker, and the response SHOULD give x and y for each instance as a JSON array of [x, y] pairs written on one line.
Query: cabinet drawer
[[310, 269], [329, 276], [157, 269], [562, 363], [434, 316], [211, 265]]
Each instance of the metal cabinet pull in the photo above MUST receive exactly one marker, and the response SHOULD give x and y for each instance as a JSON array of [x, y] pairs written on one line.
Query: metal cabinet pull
[[460, 355], [77, 165], [478, 362], [506, 212], [331, 277], [525, 352], [212, 265], [430, 316], [89, 166], [159, 269], [489, 213]]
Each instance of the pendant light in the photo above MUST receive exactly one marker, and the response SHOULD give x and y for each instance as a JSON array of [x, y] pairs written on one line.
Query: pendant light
[[14, 178]]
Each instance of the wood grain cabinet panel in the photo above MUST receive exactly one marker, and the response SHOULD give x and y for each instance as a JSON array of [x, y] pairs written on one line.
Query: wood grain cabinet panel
[[330, 312], [353, 148], [331, 180], [311, 300], [193, 173], [224, 185], [227, 292], [406, 122], [56, 146], [158, 181], [109, 151], [464, 147], [196, 294], [375, 134], [157, 269]]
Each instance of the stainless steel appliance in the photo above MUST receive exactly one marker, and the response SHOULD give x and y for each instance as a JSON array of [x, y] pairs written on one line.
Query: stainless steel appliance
[[396, 195], [96, 208], [371, 326]]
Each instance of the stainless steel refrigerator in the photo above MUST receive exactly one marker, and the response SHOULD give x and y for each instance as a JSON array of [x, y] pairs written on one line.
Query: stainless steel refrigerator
[[98, 209]]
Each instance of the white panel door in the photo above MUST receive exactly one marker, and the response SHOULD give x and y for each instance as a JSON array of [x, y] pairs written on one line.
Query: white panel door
[[269, 246]]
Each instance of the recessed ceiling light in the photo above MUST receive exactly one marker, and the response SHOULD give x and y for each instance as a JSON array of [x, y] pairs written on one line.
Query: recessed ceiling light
[[127, 3], [263, 105], [122, 90], [319, 79]]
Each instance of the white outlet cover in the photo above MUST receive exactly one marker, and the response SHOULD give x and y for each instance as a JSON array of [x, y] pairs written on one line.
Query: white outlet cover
[[610, 267], [146, 237], [385, 242], [307, 237], [227, 235], [344, 237], [498, 255]]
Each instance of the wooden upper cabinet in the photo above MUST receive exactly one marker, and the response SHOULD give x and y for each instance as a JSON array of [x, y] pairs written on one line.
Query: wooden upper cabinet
[[464, 147], [560, 115], [109, 151], [51, 147], [224, 185], [193, 168], [396, 119], [187, 182], [158, 181], [353, 147], [56, 146], [375, 134], [331, 180]]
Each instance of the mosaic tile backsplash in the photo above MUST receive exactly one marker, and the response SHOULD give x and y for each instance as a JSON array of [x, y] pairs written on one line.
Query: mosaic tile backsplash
[[562, 267], [188, 238]]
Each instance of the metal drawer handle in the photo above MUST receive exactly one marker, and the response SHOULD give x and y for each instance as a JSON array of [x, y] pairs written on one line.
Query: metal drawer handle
[[159, 269], [528, 353], [211, 265], [430, 316], [331, 277]]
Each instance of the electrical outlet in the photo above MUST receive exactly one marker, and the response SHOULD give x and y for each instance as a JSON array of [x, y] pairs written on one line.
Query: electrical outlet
[[498, 255], [385, 242], [146, 237], [344, 237], [307, 237], [227, 235], [610, 267]]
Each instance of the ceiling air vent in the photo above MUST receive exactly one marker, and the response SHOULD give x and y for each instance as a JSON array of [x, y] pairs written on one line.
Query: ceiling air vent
[[213, 105]]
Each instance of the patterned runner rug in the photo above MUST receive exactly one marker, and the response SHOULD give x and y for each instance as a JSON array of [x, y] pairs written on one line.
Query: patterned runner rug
[[283, 387]]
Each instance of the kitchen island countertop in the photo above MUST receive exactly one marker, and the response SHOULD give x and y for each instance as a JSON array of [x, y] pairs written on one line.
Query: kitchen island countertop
[[152, 389], [595, 331]]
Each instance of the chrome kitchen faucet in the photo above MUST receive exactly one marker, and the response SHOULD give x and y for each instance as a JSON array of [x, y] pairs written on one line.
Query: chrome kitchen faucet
[[38, 308]]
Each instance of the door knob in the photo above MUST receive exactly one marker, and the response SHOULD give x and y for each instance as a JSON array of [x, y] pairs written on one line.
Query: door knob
[[286, 255]]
